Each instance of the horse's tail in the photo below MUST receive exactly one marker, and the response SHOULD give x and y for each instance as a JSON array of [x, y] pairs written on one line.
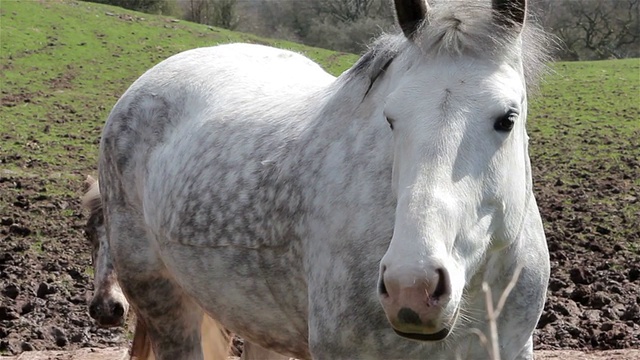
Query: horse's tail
[[215, 340]]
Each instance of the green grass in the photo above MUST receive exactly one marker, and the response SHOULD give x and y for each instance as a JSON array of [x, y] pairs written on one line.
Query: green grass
[[36, 246], [588, 112], [585, 149], [89, 271], [64, 65], [584, 101]]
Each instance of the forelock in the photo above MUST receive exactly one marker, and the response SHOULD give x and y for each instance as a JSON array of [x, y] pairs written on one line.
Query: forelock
[[470, 29], [456, 29]]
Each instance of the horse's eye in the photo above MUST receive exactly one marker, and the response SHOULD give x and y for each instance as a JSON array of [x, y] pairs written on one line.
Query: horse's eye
[[390, 121], [505, 122]]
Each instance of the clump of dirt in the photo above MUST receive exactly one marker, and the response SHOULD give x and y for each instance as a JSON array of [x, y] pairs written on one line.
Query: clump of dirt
[[45, 280], [10, 100], [64, 80]]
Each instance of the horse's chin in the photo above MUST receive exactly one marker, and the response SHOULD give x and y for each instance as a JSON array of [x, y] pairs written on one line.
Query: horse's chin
[[435, 336], [440, 335], [107, 323]]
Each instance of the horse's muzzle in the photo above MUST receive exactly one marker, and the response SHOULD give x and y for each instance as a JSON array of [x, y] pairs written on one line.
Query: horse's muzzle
[[108, 313], [415, 302]]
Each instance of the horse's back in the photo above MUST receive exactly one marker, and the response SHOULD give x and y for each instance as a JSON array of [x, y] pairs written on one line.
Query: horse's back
[[239, 82], [220, 77]]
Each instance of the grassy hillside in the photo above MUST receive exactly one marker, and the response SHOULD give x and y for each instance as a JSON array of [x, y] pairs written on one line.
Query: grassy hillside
[[65, 63]]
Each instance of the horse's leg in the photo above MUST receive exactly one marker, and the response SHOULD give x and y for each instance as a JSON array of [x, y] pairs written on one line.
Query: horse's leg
[[215, 341], [171, 317], [527, 351], [252, 351], [140, 346]]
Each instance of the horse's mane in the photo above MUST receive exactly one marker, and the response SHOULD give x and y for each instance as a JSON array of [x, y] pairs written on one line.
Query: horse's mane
[[455, 29]]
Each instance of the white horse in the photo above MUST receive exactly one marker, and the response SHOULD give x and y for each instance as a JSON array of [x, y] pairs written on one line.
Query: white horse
[[331, 218]]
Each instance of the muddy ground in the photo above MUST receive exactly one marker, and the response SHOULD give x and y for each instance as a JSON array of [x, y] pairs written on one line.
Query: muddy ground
[[593, 233]]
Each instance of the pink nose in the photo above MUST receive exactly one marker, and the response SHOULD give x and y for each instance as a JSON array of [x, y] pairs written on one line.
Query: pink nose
[[414, 300]]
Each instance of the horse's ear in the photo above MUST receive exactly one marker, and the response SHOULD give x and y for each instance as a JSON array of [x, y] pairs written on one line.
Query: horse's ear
[[411, 14], [510, 13]]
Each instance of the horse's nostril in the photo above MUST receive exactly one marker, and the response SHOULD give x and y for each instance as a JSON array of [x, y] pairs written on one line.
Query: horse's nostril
[[118, 310], [409, 316], [382, 289], [442, 288], [93, 310]]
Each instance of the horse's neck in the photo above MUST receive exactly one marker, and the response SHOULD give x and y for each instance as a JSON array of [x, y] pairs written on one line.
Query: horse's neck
[[352, 109], [341, 162], [348, 129]]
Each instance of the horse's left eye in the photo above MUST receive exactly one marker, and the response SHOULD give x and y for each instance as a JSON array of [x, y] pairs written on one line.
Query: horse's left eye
[[505, 122]]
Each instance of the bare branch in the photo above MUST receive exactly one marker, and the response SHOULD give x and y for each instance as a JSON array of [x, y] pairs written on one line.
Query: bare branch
[[507, 291]]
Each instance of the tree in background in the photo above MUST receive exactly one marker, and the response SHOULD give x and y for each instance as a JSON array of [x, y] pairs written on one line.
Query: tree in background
[[166, 7], [220, 13], [587, 29], [347, 11], [284, 19], [594, 29], [224, 14], [349, 25], [344, 25]]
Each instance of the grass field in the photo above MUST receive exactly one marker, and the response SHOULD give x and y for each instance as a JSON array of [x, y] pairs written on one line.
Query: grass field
[[585, 132], [64, 64]]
